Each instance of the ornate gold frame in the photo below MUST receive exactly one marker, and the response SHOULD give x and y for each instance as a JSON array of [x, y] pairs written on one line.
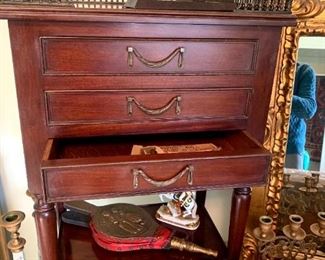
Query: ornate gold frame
[[310, 21]]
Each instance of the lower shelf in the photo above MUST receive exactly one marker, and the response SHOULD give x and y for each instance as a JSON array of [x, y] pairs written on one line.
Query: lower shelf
[[77, 243]]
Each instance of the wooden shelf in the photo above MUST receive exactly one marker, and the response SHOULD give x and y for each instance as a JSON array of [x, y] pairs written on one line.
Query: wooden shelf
[[77, 243]]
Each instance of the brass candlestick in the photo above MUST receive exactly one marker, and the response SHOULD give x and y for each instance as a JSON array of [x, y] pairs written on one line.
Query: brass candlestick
[[11, 221], [286, 181], [294, 244], [264, 232], [309, 185], [319, 228], [294, 230], [316, 175]]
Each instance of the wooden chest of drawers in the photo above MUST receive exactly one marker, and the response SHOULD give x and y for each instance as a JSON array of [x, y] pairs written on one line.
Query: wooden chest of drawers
[[91, 84]]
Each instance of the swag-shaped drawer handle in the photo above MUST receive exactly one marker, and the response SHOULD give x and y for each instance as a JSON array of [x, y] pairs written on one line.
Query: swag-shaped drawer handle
[[154, 111], [189, 169], [156, 64]]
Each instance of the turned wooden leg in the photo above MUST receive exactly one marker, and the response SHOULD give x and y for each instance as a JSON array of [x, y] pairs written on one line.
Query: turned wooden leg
[[200, 198], [239, 213], [46, 227]]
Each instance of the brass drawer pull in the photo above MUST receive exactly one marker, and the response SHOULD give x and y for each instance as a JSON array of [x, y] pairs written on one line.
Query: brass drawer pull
[[154, 111], [156, 64], [189, 169]]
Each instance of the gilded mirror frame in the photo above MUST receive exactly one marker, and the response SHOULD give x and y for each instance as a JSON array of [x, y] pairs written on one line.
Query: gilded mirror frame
[[310, 22]]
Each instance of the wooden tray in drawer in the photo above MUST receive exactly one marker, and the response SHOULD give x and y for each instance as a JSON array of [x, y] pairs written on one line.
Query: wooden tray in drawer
[[83, 168]]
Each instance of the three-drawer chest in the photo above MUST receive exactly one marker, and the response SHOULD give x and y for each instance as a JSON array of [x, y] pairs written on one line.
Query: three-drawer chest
[[91, 83]]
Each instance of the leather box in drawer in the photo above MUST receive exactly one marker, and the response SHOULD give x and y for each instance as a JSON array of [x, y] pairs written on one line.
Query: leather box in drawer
[[113, 107], [84, 168], [116, 56]]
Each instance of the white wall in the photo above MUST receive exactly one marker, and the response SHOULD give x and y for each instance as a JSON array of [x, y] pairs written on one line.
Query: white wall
[[312, 42], [13, 184]]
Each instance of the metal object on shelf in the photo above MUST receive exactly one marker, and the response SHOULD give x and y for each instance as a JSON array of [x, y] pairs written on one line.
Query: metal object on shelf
[[294, 230], [310, 185], [283, 247], [316, 176], [319, 228], [264, 232], [126, 227], [11, 221], [182, 244], [281, 6], [302, 194], [286, 181], [264, 6], [93, 4], [294, 244]]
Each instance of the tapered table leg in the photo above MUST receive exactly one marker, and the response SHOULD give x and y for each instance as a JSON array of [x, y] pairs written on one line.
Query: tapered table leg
[[200, 198], [239, 213], [46, 225]]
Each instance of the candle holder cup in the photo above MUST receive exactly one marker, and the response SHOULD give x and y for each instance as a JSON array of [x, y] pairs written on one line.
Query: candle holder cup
[[294, 230], [319, 228], [11, 221], [264, 232], [310, 185]]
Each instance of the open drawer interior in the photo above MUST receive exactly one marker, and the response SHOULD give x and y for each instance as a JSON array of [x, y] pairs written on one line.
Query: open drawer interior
[[162, 145]]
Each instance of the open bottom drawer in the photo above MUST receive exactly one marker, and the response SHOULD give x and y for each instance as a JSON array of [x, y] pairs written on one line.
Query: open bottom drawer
[[84, 168]]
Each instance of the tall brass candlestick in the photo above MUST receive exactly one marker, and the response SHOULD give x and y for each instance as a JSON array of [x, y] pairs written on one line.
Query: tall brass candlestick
[[11, 221]]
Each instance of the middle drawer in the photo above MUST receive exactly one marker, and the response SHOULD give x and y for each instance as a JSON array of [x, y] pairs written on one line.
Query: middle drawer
[[102, 107]]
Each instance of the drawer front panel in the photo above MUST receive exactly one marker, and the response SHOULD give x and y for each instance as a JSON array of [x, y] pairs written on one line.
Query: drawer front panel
[[97, 181], [100, 107], [116, 56]]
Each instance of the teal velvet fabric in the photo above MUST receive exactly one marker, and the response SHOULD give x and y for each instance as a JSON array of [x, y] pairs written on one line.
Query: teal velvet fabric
[[303, 108]]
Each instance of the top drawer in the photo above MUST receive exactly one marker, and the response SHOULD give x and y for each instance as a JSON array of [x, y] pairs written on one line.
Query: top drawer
[[115, 56]]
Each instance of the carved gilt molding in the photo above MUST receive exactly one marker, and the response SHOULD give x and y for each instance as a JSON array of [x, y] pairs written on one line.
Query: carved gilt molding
[[310, 21], [250, 246], [278, 117], [307, 8]]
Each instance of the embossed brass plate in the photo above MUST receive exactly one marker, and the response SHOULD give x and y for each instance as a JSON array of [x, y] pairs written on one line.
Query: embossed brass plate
[[120, 220], [124, 221]]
